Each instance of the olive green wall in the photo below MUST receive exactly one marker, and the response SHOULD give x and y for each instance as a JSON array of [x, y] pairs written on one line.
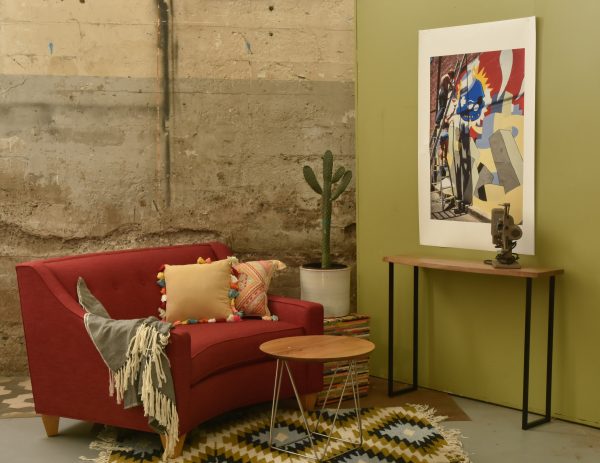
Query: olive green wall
[[471, 336]]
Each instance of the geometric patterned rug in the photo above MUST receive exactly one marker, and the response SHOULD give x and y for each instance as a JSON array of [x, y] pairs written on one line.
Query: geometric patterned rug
[[16, 400], [409, 434]]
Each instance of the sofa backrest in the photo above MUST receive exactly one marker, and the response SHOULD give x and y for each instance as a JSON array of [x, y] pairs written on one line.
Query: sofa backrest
[[125, 281]]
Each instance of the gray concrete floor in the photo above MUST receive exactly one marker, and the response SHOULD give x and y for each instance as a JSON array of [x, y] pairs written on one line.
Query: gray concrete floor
[[24, 440], [492, 436]]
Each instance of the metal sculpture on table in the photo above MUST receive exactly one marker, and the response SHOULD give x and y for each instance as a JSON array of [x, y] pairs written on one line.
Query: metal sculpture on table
[[505, 234]]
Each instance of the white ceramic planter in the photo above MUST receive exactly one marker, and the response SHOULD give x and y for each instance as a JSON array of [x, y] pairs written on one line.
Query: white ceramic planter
[[330, 287]]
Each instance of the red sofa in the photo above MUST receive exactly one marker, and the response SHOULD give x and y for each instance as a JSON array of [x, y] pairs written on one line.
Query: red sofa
[[215, 367]]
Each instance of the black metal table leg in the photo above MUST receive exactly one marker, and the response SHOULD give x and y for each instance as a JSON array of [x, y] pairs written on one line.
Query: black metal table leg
[[527, 348], [415, 382], [550, 348], [390, 329], [549, 353]]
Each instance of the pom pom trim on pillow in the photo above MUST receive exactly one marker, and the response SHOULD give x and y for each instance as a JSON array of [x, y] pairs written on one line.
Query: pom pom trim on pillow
[[235, 315]]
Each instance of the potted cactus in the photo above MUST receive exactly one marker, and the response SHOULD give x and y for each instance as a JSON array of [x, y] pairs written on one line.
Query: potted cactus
[[326, 282]]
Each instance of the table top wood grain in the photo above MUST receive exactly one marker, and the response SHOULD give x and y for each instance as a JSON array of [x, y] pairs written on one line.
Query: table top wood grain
[[317, 348], [467, 266]]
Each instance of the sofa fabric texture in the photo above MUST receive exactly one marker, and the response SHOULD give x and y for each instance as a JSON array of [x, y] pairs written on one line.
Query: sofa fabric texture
[[215, 367], [233, 344]]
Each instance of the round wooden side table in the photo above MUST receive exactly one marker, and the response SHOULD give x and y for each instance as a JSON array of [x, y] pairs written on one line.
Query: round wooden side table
[[319, 348]]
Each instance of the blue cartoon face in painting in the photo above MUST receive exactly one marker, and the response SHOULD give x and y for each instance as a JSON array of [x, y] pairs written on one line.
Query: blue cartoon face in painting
[[470, 103]]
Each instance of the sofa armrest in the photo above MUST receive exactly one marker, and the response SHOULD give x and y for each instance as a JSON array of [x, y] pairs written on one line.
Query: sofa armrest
[[65, 368], [32, 279], [303, 313]]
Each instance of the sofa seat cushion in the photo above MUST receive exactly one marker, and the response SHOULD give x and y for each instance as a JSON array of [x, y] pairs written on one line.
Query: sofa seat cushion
[[222, 346]]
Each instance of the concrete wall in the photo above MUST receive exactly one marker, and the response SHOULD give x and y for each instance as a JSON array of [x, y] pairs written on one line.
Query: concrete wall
[[119, 130]]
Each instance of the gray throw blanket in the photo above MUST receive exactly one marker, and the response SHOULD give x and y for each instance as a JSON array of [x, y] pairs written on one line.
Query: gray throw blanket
[[140, 373]]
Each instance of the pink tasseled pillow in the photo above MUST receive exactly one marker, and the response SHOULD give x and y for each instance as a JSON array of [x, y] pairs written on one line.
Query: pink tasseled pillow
[[253, 283]]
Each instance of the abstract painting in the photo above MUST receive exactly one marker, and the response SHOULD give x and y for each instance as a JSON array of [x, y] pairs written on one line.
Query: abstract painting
[[476, 131]]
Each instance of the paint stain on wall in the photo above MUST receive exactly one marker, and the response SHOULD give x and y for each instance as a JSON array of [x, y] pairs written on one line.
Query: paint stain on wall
[[248, 45], [164, 38], [50, 47]]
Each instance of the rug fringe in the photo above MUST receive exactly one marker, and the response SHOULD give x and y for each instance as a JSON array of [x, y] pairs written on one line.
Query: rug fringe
[[452, 437], [105, 443]]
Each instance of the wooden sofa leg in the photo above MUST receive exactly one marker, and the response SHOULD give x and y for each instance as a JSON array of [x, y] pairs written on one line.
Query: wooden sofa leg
[[51, 424], [178, 446], [308, 401]]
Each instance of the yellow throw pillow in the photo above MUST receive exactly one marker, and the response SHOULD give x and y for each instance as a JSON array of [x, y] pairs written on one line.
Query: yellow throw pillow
[[253, 283], [198, 291]]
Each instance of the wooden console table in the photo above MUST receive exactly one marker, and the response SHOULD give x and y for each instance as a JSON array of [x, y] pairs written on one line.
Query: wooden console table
[[529, 273]]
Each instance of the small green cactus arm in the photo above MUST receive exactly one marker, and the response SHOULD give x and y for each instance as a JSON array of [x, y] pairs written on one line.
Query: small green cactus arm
[[311, 179], [342, 185], [339, 173]]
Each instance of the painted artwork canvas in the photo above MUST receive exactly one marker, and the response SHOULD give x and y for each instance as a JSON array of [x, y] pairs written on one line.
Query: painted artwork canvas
[[476, 134], [476, 131]]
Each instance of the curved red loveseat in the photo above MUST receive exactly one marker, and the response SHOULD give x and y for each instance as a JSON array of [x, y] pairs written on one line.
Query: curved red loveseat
[[215, 367]]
